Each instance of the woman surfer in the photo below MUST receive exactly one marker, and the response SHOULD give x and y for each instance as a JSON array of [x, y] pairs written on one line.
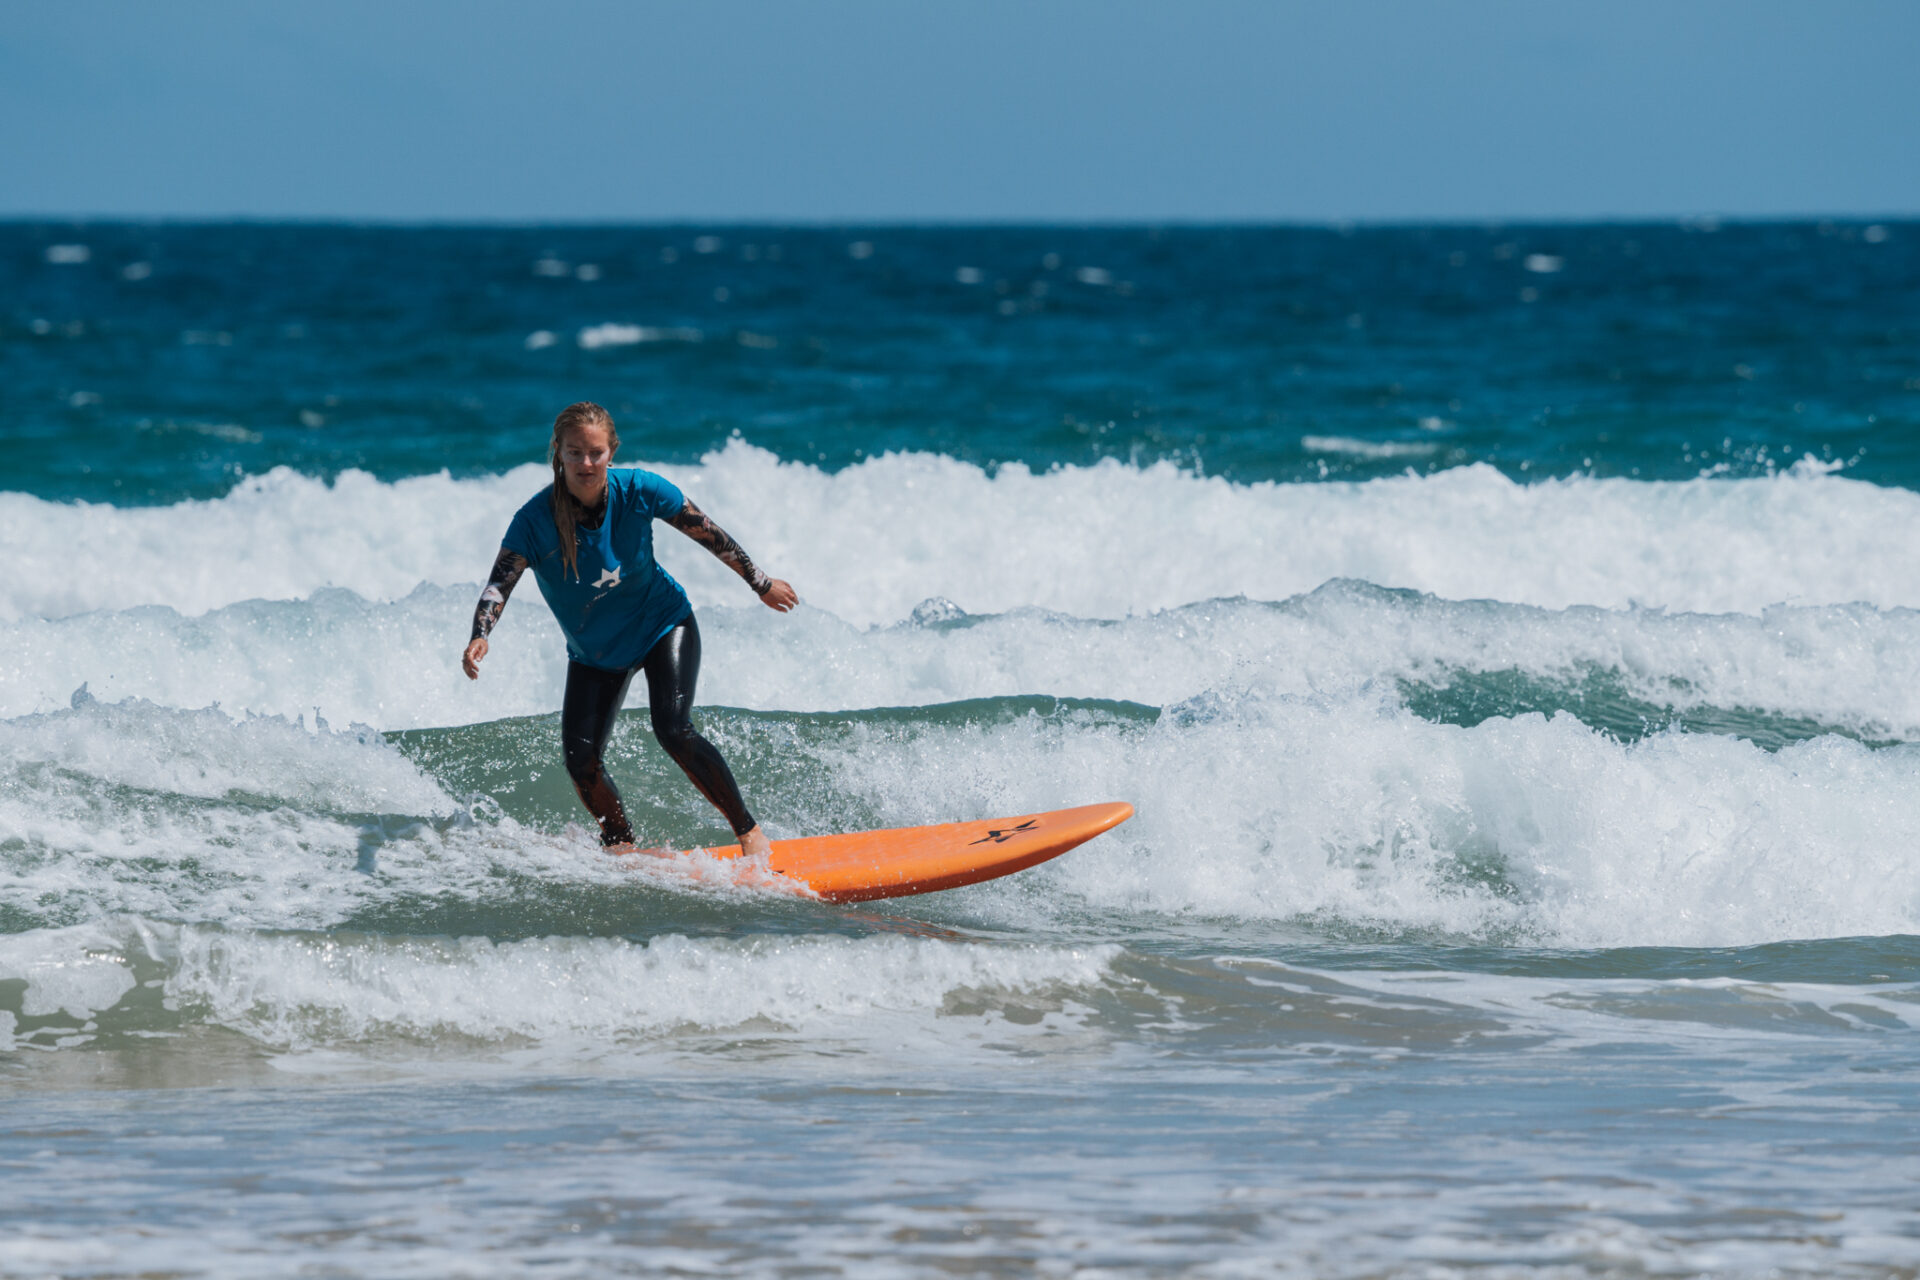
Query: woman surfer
[[589, 542]]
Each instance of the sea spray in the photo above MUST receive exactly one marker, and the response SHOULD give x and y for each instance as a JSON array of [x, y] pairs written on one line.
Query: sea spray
[[394, 665], [871, 541], [1344, 808]]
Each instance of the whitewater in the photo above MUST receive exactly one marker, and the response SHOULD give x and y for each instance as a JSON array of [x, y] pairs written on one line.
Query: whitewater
[[255, 819], [1111, 540], [1338, 751]]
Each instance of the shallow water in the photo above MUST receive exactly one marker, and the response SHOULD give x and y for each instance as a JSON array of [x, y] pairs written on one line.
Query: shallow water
[[1517, 699]]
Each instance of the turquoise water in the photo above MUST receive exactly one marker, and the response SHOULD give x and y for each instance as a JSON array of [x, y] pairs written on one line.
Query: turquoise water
[[1507, 636]]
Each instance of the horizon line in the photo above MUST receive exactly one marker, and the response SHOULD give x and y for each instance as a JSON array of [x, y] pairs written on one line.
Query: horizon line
[[1697, 220]]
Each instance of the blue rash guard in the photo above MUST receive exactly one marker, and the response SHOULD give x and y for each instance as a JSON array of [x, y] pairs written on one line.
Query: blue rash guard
[[621, 601]]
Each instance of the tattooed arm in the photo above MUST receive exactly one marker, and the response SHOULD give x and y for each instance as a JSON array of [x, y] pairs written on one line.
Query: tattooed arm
[[507, 568], [699, 526]]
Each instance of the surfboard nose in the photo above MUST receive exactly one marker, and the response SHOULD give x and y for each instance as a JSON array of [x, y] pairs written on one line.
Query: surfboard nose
[[863, 865]]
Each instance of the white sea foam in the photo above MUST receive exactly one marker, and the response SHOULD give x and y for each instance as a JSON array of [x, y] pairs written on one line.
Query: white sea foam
[[290, 991], [596, 336], [303, 990], [1375, 449], [394, 665], [78, 850], [69, 971], [1286, 781], [391, 665], [107, 809], [898, 994], [278, 537], [1252, 806], [206, 755], [869, 542], [1350, 808]]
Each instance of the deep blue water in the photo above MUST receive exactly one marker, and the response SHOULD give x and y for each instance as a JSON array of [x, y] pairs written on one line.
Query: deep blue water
[[1637, 350]]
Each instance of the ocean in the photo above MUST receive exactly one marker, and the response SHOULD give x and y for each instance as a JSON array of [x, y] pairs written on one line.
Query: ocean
[[1509, 637]]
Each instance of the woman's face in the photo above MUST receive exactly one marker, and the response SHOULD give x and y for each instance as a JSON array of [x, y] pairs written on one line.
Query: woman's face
[[585, 452]]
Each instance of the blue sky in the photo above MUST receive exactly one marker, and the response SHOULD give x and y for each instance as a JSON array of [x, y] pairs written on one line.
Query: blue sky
[[878, 110]]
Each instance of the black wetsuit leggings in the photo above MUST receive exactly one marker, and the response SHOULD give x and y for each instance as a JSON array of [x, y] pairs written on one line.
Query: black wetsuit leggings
[[586, 718]]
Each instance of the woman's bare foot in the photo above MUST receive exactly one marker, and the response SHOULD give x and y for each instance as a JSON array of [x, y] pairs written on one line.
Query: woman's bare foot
[[754, 844]]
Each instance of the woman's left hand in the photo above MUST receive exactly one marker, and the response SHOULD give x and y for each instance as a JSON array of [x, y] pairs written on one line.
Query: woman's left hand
[[780, 595]]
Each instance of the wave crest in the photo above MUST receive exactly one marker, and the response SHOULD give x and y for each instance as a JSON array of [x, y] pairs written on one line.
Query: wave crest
[[871, 541]]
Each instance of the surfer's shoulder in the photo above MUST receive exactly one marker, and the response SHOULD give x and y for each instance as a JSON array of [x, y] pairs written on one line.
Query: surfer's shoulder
[[539, 504], [532, 528], [650, 491]]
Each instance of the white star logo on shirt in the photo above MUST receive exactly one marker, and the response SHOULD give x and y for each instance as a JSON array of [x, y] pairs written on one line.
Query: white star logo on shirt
[[608, 578]]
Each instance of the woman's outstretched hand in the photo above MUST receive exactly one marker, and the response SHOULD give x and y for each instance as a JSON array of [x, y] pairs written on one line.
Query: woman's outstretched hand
[[476, 650], [778, 596]]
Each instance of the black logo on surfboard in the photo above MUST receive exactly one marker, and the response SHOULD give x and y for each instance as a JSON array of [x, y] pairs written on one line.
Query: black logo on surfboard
[[1006, 834]]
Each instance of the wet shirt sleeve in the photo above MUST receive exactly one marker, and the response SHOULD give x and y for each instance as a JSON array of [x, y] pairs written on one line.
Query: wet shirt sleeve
[[658, 496], [520, 537]]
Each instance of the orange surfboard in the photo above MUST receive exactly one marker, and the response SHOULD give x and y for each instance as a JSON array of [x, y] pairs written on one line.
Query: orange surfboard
[[864, 865]]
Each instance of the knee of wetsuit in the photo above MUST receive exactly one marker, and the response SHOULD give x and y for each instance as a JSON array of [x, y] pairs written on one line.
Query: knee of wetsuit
[[675, 735], [583, 766]]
